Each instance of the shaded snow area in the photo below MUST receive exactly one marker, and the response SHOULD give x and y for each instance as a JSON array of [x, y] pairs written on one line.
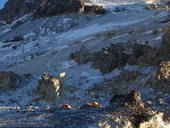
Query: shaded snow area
[[45, 44]]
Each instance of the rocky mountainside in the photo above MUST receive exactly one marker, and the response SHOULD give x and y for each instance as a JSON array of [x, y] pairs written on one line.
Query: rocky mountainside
[[15, 9], [85, 64]]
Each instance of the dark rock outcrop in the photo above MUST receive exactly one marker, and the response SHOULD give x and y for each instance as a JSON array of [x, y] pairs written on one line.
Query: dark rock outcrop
[[131, 100], [110, 58], [9, 81], [53, 7], [49, 87], [143, 55], [14, 9], [82, 56], [162, 77], [133, 103], [44, 8]]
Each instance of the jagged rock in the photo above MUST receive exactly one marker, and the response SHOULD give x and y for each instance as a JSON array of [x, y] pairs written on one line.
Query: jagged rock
[[9, 81], [52, 7], [162, 77], [143, 55], [164, 71], [14, 9], [109, 58], [81, 56], [48, 88], [106, 60], [132, 100], [156, 56], [114, 56], [140, 116]]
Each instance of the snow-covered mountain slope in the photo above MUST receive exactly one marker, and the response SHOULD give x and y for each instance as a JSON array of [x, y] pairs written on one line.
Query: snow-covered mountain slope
[[49, 41], [44, 45], [118, 2]]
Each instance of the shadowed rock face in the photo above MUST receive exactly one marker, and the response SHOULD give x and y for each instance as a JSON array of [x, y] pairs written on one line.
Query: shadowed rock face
[[81, 56], [14, 9], [9, 81], [53, 7], [143, 55], [44, 8], [48, 88], [132, 100], [109, 58]]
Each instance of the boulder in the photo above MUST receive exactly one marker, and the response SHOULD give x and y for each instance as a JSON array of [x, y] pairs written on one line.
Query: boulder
[[162, 77], [132, 100], [82, 56], [109, 58], [14, 9], [164, 71], [133, 107], [48, 88], [143, 55], [9, 81]]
